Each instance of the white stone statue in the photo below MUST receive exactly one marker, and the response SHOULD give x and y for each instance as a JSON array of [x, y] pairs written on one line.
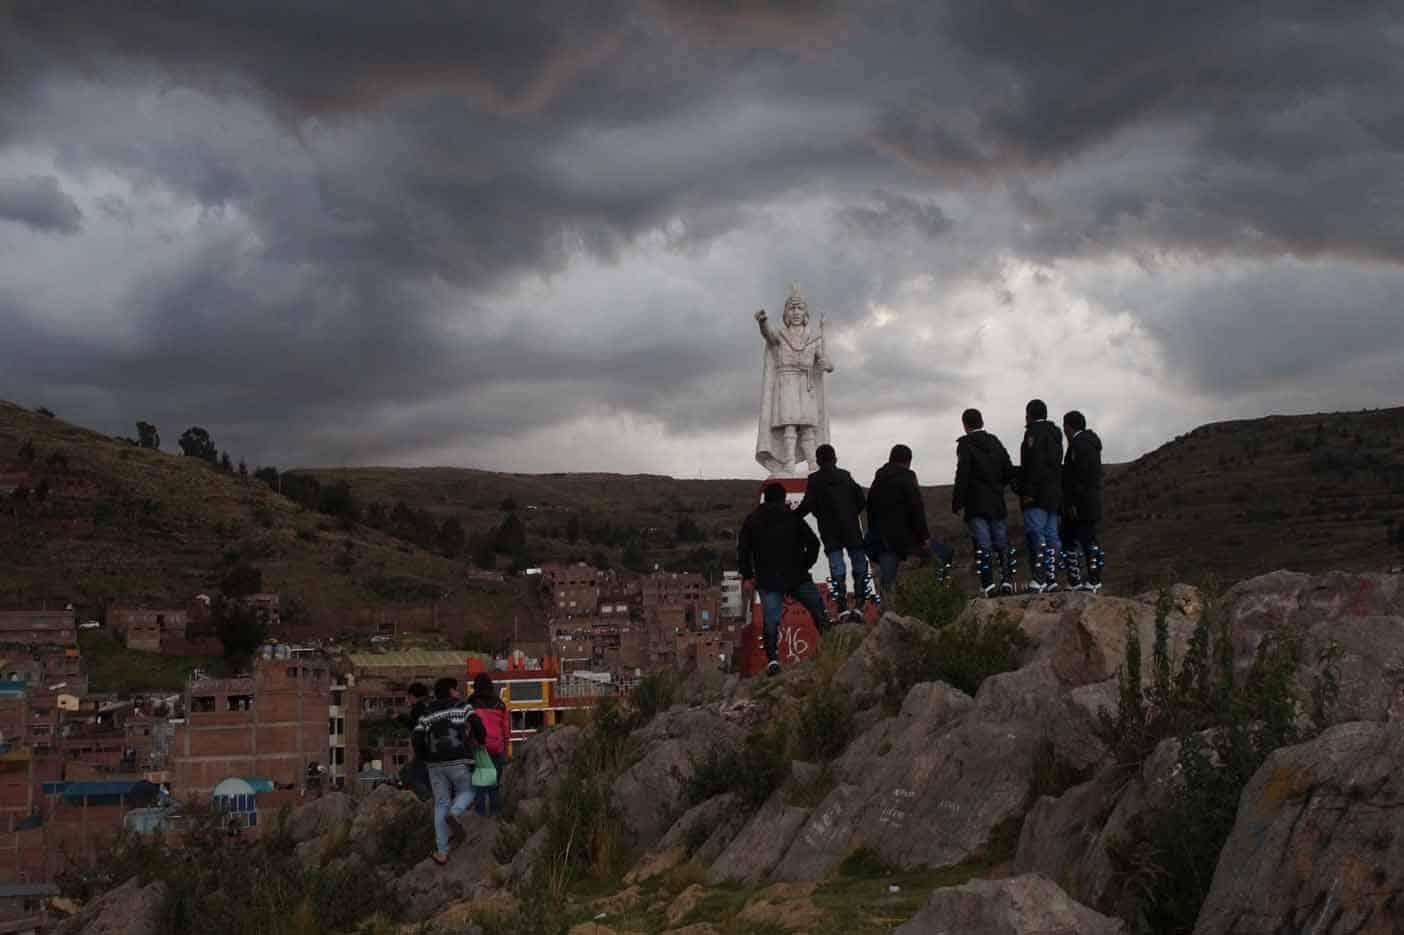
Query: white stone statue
[[794, 420]]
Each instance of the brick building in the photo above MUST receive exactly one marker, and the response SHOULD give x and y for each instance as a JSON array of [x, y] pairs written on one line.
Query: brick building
[[38, 627], [271, 724], [575, 589], [148, 630]]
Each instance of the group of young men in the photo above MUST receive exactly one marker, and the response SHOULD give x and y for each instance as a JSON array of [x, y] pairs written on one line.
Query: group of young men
[[1060, 494], [460, 747]]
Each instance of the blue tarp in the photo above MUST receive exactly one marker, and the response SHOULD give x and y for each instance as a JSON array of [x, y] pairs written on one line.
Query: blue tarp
[[95, 792]]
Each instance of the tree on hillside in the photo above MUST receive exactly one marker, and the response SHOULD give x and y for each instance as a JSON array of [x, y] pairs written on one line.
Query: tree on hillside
[[238, 627], [243, 468], [269, 475], [338, 500], [485, 553], [688, 530], [507, 505], [632, 557], [45, 411], [452, 537], [147, 436], [195, 442], [511, 535], [241, 581], [226, 464]]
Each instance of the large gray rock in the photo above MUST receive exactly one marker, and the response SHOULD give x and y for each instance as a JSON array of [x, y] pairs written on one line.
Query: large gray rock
[[427, 888], [1361, 615], [862, 676], [1025, 905], [537, 767], [331, 813], [1066, 838], [382, 806], [673, 744], [674, 848], [130, 909], [930, 801], [754, 853], [1317, 845]]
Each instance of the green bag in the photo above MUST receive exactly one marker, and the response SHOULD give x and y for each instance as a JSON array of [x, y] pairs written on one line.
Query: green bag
[[484, 770]]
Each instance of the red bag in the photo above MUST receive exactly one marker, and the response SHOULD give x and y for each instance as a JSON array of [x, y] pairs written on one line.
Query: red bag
[[497, 723]]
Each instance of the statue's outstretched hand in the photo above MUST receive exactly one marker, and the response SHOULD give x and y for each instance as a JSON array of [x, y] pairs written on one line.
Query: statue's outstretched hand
[[760, 316]]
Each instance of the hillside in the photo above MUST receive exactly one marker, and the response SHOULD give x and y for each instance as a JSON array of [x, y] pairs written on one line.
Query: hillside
[[991, 767], [1226, 501], [105, 521]]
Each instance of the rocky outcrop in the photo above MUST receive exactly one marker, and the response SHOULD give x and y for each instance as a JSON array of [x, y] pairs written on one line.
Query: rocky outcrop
[[383, 805], [672, 745], [1023, 905], [756, 851], [427, 889], [707, 822], [1067, 838], [130, 909], [1317, 845], [1361, 615], [863, 673], [536, 768]]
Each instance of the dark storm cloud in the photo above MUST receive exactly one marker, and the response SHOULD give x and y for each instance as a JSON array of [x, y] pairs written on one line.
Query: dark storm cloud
[[377, 187], [38, 202]]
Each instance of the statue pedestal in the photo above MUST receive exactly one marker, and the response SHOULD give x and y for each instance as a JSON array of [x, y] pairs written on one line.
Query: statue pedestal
[[799, 637]]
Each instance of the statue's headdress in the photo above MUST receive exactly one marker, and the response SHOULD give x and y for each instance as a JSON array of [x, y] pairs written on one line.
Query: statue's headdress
[[796, 300]]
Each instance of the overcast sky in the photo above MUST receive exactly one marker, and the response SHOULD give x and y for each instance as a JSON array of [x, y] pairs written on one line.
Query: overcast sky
[[354, 233]]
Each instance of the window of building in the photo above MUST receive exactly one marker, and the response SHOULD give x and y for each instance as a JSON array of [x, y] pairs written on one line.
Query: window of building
[[292, 672], [338, 756], [202, 704], [239, 703], [336, 726], [527, 691], [160, 620], [337, 699]]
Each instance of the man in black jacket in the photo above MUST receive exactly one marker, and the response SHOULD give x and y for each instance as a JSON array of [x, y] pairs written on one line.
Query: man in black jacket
[[1040, 488], [1082, 503], [896, 515], [446, 738], [415, 774], [775, 551], [836, 500], [983, 470]]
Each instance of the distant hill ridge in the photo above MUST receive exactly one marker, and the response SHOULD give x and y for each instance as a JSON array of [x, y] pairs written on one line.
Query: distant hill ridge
[[1228, 500]]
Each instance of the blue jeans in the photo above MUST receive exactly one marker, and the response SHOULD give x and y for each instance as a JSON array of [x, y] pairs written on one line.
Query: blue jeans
[[1041, 530], [888, 563], [859, 559], [992, 535], [453, 793], [773, 608], [490, 797]]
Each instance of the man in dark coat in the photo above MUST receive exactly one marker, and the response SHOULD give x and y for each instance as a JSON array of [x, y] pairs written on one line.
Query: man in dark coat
[[1040, 488], [1082, 503], [836, 501], [896, 515], [775, 551], [983, 470]]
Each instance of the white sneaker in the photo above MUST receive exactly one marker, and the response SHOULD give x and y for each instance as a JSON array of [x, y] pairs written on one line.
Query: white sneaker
[[1037, 587]]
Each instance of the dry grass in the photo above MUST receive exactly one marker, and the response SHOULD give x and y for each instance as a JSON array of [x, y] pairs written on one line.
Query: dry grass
[[126, 525]]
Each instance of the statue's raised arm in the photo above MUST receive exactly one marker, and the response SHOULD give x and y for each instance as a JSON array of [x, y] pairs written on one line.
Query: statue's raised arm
[[770, 337]]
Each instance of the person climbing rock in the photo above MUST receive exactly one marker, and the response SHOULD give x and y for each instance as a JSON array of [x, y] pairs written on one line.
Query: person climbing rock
[[446, 738], [774, 551], [497, 726]]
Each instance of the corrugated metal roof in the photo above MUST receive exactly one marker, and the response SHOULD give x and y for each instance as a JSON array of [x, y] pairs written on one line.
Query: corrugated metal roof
[[411, 658], [21, 890]]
